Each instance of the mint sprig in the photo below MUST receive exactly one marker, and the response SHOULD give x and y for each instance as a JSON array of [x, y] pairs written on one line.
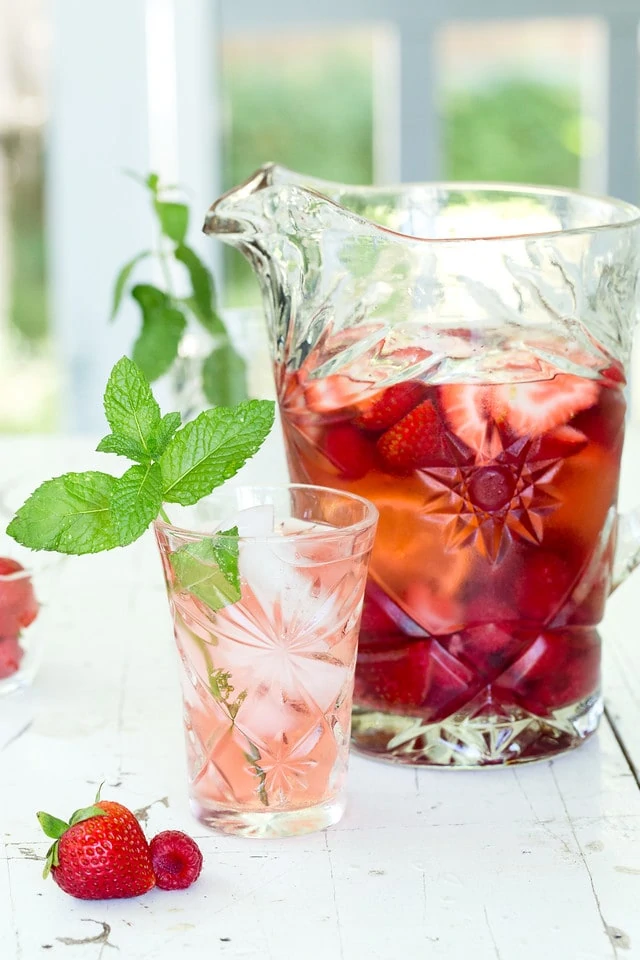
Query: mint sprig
[[209, 569], [69, 514], [136, 501], [165, 315], [212, 448], [163, 325], [80, 513], [132, 412]]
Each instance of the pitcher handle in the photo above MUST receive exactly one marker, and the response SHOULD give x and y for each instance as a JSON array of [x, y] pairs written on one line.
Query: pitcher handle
[[627, 556]]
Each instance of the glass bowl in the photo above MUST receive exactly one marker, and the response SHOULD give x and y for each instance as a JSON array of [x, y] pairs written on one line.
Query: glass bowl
[[27, 585]]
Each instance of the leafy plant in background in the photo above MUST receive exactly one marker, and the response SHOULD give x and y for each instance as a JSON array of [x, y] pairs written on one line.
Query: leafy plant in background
[[165, 315]]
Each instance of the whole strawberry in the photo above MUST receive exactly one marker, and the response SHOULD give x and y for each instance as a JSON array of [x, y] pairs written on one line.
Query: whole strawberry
[[100, 854]]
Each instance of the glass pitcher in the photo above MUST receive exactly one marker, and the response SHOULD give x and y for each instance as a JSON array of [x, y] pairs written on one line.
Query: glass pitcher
[[456, 353]]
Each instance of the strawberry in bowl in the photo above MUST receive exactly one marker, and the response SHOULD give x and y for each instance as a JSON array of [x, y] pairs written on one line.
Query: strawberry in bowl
[[18, 610]]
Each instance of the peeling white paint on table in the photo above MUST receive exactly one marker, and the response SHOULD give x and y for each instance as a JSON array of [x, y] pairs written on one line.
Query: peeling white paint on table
[[514, 864]]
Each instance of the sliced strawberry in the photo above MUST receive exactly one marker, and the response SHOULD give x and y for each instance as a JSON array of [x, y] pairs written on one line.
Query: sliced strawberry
[[390, 406], [349, 450], [467, 409], [532, 408], [383, 620], [615, 372], [488, 649], [436, 611], [542, 583], [334, 394], [375, 618], [397, 675], [558, 444], [490, 605], [604, 422], [418, 440], [408, 356], [420, 676], [290, 391], [11, 654], [558, 669], [18, 604]]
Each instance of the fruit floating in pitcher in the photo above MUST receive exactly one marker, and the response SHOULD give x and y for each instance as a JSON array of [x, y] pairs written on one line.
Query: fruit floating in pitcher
[[490, 568]]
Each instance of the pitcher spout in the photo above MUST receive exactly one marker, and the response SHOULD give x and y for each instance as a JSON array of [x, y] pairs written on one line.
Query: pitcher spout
[[315, 252], [228, 215]]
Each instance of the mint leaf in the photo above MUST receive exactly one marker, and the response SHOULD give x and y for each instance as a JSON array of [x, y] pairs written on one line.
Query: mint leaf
[[136, 501], [224, 376], [212, 448], [122, 280], [130, 407], [123, 447], [208, 569], [174, 219], [69, 514], [202, 301], [213, 324], [162, 327], [226, 551], [157, 346], [162, 434], [149, 297]]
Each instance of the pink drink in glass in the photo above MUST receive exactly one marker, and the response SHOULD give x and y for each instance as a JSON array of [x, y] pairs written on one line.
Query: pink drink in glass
[[267, 681]]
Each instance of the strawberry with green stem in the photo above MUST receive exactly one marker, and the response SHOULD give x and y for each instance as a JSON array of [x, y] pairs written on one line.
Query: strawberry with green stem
[[100, 853]]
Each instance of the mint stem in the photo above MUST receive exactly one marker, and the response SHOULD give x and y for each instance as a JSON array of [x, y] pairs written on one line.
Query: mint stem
[[163, 514], [166, 272]]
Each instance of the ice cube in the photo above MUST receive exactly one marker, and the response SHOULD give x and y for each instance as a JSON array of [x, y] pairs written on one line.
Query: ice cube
[[272, 575], [255, 521]]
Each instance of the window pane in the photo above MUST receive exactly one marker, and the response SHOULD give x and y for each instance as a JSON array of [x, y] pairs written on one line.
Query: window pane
[[519, 100], [28, 382], [304, 100]]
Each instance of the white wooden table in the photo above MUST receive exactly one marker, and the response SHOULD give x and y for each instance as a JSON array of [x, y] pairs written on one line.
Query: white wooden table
[[524, 863]]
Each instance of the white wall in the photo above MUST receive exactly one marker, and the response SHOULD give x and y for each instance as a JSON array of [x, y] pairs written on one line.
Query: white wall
[[118, 101]]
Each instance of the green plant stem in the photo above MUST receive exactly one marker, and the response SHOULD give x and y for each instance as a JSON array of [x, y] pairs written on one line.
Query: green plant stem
[[166, 273], [163, 260], [163, 514]]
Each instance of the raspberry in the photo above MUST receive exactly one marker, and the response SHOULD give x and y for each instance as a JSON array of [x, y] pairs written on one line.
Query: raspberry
[[176, 859]]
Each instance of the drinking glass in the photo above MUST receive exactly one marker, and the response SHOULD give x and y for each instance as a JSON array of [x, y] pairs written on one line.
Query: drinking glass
[[267, 661]]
